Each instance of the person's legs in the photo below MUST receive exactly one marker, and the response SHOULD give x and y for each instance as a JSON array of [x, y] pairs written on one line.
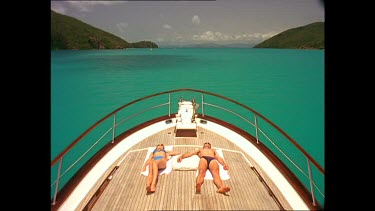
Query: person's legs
[[155, 174], [156, 165], [214, 169], [202, 168], [150, 176]]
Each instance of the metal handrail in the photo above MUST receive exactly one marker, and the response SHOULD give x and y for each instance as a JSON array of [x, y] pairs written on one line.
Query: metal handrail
[[59, 158]]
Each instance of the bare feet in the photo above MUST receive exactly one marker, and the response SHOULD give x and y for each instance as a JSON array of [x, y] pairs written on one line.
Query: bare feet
[[153, 188], [223, 189], [149, 191], [198, 189]]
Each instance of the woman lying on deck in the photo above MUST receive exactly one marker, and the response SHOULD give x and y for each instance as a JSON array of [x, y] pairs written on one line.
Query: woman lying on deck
[[157, 161]]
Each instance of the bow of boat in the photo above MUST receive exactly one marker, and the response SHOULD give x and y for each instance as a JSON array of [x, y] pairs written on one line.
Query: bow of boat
[[111, 179]]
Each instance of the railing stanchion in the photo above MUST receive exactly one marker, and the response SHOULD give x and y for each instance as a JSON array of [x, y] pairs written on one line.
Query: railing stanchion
[[256, 127], [311, 183], [114, 129], [169, 103], [57, 181], [202, 104]]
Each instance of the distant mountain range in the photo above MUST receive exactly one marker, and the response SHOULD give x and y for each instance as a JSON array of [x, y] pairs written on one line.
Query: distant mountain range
[[70, 33], [210, 45], [310, 36]]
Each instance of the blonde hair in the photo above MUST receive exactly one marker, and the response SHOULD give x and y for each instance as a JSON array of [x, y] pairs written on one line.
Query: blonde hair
[[159, 145]]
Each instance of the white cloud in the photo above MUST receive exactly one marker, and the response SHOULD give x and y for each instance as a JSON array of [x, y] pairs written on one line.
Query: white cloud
[[195, 20], [166, 26], [86, 6], [239, 37], [58, 7], [81, 6], [122, 26]]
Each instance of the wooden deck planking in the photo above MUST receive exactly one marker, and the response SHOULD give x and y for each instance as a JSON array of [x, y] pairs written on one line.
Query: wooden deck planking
[[176, 191]]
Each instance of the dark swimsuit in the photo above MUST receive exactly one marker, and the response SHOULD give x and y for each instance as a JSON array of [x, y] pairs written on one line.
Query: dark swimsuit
[[208, 158], [160, 156]]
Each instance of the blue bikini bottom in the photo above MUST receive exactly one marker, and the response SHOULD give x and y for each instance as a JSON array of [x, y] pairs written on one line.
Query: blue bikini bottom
[[158, 157]]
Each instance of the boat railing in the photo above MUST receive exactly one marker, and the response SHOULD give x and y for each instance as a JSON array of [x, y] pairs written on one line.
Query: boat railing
[[309, 159], [303, 165]]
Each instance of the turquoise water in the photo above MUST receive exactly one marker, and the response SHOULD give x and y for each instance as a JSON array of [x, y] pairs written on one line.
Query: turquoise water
[[286, 86]]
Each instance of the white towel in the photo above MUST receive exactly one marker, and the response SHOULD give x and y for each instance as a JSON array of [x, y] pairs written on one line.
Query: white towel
[[187, 164], [167, 170], [223, 173]]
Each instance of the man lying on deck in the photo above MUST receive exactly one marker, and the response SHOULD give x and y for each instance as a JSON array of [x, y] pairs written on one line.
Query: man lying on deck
[[209, 159], [157, 161]]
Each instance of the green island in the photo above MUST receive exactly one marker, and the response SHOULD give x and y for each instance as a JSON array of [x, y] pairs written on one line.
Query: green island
[[71, 33], [310, 36]]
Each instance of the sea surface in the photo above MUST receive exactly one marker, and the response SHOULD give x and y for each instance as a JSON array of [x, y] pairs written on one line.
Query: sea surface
[[286, 86]]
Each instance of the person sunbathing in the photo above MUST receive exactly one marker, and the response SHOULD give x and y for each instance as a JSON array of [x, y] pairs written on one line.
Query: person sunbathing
[[157, 161], [209, 159]]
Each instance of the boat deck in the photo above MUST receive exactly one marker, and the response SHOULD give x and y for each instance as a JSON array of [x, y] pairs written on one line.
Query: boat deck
[[125, 190]]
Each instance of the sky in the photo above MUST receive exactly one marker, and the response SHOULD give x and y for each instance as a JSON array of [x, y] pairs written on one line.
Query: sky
[[177, 23]]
